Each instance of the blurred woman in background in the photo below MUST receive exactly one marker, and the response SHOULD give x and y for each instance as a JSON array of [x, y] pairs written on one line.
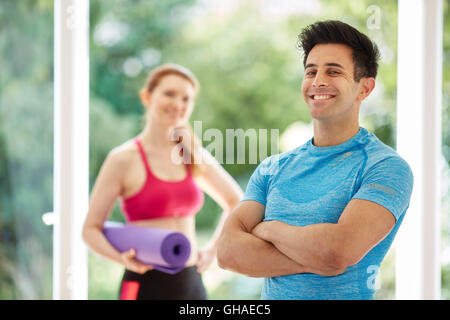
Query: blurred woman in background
[[161, 185]]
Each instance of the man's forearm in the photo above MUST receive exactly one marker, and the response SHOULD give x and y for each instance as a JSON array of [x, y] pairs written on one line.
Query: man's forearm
[[242, 250], [247, 254], [312, 246]]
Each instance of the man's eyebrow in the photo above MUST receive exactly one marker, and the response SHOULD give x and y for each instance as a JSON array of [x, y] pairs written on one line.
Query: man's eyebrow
[[310, 65], [330, 64], [334, 64]]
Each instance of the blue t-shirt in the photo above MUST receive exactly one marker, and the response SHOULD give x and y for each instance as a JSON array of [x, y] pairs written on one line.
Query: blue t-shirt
[[310, 185]]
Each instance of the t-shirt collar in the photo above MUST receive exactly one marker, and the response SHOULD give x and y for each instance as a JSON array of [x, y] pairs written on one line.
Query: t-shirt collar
[[353, 141]]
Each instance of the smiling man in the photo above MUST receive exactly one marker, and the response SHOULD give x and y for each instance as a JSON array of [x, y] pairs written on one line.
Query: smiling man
[[317, 221]]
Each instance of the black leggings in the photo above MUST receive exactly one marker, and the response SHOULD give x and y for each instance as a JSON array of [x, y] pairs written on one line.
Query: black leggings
[[156, 285]]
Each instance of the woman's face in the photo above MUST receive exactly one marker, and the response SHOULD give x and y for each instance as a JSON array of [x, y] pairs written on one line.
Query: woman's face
[[171, 102]]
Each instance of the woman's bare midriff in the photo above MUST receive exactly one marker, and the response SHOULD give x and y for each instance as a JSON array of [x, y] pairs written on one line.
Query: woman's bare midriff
[[184, 225]]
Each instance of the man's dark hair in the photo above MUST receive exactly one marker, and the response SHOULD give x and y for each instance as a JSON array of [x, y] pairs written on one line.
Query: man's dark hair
[[365, 52]]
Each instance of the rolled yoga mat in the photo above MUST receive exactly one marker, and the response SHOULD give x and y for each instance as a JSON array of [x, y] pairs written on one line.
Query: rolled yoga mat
[[165, 250]]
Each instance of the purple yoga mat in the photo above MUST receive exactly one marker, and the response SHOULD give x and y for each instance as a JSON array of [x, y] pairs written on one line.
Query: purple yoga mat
[[165, 250]]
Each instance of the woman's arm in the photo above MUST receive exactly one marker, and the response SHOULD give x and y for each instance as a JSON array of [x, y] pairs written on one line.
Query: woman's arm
[[223, 189], [104, 194]]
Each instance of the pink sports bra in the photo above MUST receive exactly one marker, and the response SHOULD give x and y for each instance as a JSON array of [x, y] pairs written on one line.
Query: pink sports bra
[[159, 198]]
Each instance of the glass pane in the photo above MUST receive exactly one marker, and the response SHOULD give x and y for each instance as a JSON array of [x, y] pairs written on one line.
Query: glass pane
[[26, 148]]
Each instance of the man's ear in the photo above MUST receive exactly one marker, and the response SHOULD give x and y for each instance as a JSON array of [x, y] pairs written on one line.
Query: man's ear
[[145, 97], [366, 87]]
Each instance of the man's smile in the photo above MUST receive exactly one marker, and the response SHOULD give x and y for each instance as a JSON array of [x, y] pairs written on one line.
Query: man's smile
[[321, 96]]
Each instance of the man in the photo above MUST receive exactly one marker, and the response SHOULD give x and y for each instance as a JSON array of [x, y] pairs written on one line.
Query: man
[[317, 221]]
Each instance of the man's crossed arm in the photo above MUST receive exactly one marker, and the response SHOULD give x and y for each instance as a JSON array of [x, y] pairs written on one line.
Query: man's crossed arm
[[274, 248]]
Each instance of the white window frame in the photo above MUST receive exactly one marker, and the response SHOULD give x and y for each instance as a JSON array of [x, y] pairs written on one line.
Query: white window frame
[[419, 116], [71, 147]]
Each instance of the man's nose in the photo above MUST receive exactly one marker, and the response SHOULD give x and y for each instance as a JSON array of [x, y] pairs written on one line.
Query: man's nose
[[320, 80]]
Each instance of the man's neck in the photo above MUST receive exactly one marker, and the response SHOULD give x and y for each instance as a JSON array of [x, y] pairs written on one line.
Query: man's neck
[[332, 134]]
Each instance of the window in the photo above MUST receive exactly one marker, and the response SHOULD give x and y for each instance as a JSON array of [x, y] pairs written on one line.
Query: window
[[26, 149]]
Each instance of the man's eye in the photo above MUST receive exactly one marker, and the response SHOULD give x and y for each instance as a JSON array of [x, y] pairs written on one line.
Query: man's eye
[[334, 72], [310, 73]]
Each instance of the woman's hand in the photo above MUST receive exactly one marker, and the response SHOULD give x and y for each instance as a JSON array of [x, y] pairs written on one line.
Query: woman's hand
[[130, 263], [205, 258]]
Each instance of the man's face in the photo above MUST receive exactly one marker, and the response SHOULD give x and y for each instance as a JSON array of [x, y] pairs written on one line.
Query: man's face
[[328, 87]]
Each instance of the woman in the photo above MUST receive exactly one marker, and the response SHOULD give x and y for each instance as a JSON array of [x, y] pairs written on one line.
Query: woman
[[161, 187]]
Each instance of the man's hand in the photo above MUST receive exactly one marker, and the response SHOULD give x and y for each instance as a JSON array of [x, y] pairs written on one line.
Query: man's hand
[[267, 229], [263, 228], [241, 251]]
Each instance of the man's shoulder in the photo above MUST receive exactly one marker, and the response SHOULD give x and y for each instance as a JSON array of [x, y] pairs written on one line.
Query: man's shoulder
[[382, 155]]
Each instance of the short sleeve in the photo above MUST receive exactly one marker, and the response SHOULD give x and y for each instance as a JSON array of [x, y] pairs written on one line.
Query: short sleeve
[[258, 184], [388, 183]]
